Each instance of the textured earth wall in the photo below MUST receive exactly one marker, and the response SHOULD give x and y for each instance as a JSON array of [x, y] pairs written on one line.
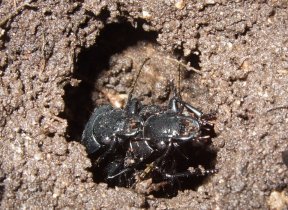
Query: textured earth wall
[[59, 59]]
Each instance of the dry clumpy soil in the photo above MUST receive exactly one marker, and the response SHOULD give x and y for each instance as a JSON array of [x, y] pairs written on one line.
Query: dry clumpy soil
[[59, 59]]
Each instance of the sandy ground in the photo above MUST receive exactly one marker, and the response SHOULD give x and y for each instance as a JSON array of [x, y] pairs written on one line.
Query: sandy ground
[[59, 59]]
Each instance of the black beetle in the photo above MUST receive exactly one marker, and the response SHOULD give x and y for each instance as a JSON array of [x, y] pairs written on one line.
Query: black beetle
[[141, 142], [165, 134], [107, 134]]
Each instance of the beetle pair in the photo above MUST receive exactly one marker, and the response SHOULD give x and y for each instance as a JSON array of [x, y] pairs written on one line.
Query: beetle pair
[[124, 141]]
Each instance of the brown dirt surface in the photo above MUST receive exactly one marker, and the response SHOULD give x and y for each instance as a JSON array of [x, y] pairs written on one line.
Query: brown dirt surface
[[59, 59]]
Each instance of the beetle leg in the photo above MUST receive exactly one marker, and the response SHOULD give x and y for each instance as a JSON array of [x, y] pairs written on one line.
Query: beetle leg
[[167, 152], [183, 139], [107, 152], [174, 107], [119, 173], [180, 153], [133, 104], [192, 109], [204, 117], [155, 164], [186, 174], [176, 99], [113, 171]]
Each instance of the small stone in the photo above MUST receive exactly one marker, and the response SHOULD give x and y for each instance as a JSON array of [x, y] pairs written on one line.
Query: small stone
[[2, 32], [180, 4], [278, 200], [187, 52], [75, 82], [211, 2], [38, 156], [146, 14]]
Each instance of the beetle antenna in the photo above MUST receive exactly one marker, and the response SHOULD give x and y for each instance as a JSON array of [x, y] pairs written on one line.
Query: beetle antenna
[[179, 82], [176, 88], [137, 76], [280, 107]]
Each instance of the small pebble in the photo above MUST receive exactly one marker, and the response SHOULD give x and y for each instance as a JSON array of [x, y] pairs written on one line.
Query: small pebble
[[180, 4]]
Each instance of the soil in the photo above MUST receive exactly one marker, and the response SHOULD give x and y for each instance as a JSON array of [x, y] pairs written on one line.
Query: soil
[[60, 59]]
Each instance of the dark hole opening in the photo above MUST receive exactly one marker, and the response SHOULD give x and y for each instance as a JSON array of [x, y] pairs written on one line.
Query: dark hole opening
[[2, 186], [78, 101], [79, 104], [194, 60], [2, 189]]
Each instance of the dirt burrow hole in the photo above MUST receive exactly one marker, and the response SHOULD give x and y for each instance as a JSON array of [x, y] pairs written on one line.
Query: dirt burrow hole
[[107, 71]]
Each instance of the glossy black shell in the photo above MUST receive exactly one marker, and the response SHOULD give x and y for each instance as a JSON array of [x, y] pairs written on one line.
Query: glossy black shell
[[162, 127], [101, 127]]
